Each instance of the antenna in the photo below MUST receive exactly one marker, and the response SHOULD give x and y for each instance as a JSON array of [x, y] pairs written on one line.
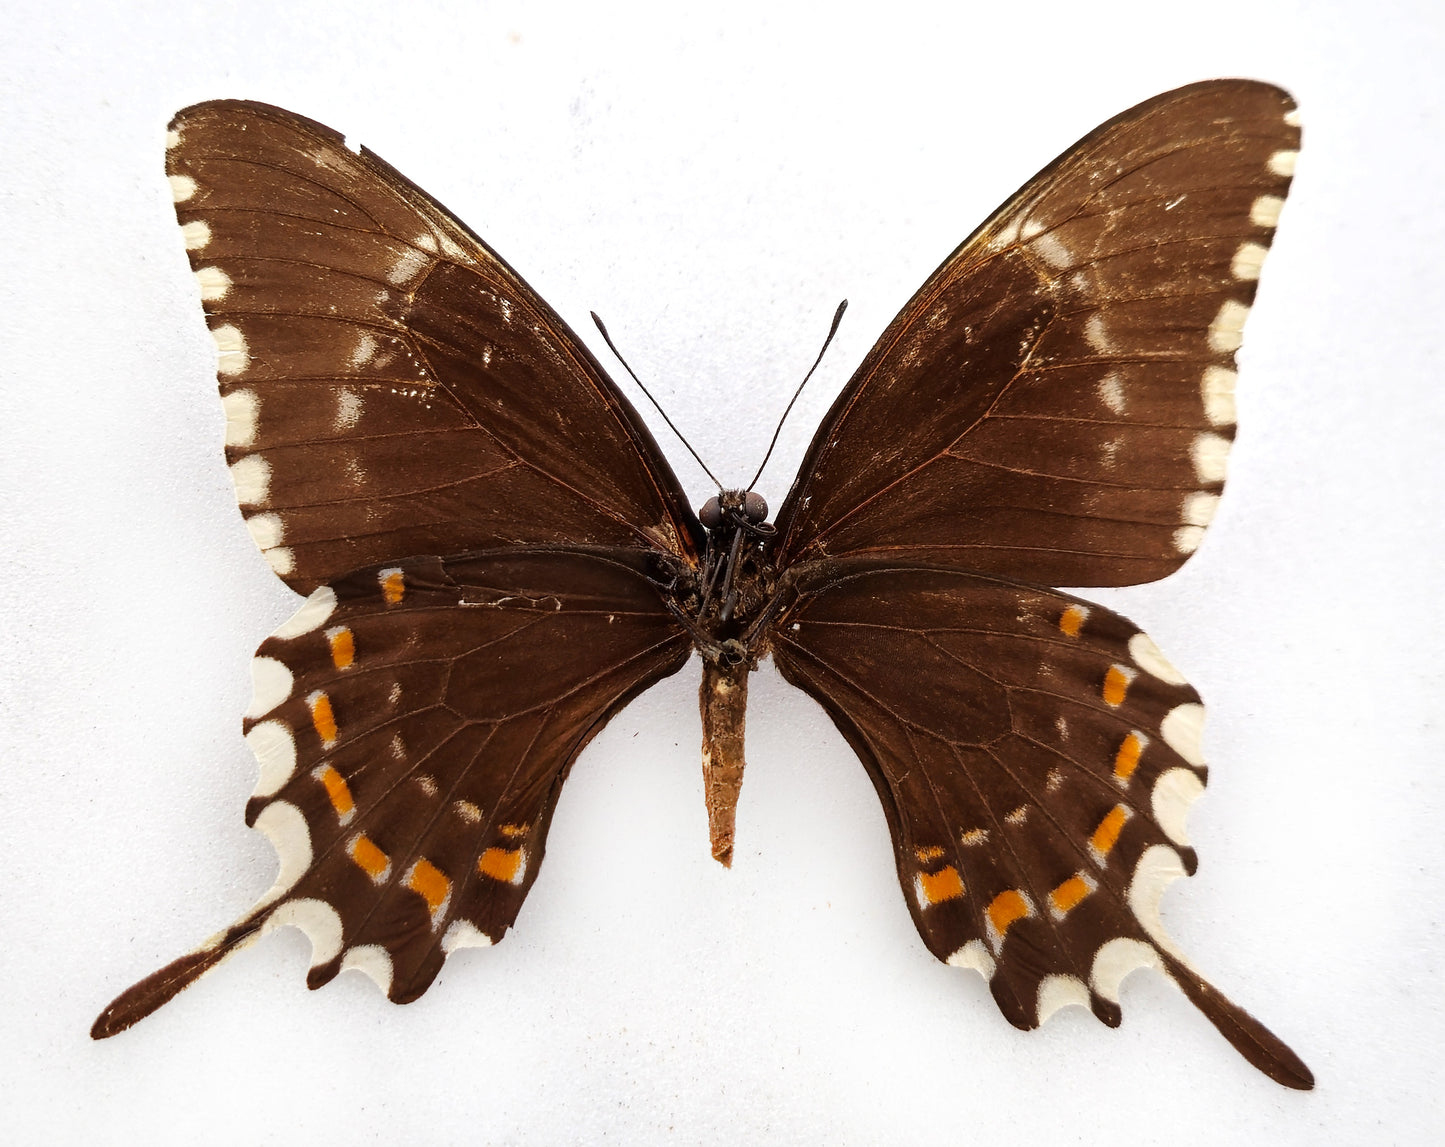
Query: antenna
[[837, 318], [613, 347]]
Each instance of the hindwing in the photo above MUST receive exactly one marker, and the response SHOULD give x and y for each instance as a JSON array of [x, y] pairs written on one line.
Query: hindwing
[[1036, 757], [412, 745]]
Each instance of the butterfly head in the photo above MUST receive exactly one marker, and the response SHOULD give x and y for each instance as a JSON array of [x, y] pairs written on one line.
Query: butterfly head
[[741, 508]]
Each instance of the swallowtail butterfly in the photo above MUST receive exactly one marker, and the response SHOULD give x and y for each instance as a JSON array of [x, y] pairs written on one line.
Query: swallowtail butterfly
[[496, 556]]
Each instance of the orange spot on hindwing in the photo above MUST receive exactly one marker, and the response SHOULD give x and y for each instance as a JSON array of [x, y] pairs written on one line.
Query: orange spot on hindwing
[[505, 864], [936, 887], [370, 859], [1071, 621], [1126, 760], [430, 883], [393, 585], [337, 791], [1070, 894], [1107, 834], [1004, 911], [343, 646], [323, 719], [1116, 685]]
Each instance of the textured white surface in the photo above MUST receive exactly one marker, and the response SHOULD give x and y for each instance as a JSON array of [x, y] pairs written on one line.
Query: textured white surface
[[712, 186]]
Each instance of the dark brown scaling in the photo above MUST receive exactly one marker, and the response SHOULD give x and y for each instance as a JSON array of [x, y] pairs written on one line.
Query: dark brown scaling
[[1027, 419]]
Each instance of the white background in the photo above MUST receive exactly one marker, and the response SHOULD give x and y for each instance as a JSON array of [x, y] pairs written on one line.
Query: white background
[[713, 185]]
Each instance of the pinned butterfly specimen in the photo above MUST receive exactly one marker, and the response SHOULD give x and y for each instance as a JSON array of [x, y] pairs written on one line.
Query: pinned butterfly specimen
[[497, 556]]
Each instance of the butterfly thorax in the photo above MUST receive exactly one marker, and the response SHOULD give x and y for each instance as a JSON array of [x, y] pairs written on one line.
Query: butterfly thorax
[[735, 580]]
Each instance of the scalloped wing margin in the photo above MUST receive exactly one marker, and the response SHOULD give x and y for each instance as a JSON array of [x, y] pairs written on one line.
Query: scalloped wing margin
[[414, 725], [1036, 757]]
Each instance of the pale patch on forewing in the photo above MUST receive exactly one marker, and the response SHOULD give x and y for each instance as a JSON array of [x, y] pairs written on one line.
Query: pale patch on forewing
[[1111, 392], [196, 234], [1283, 163], [182, 187], [317, 919], [408, 266], [462, 934], [1199, 508], [232, 354], [1009, 234], [266, 530], [1052, 251], [251, 476], [1226, 332], [214, 284], [281, 560], [1210, 455], [1187, 538], [271, 683], [285, 827], [1146, 655], [1264, 211], [365, 349], [1218, 392], [1247, 261], [372, 959], [452, 250], [1292, 118], [1174, 792], [274, 747], [241, 408], [312, 615], [974, 955], [348, 410], [1116, 959], [1157, 869], [1056, 992], [1095, 334], [173, 138], [1183, 731]]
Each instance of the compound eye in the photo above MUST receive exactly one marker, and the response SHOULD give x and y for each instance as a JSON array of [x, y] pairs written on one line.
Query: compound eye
[[754, 508], [711, 514]]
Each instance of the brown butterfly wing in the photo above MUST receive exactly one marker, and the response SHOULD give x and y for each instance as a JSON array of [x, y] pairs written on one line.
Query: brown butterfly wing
[[1056, 402], [1036, 757], [391, 386], [414, 726], [400, 403]]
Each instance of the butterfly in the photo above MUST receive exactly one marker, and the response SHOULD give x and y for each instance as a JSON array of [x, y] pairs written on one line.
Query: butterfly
[[497, 557]]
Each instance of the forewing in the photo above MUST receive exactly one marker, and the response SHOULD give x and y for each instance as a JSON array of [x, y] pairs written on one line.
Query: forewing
[[391, 386], [1036, 757], [1056, 402], [414, 725]]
